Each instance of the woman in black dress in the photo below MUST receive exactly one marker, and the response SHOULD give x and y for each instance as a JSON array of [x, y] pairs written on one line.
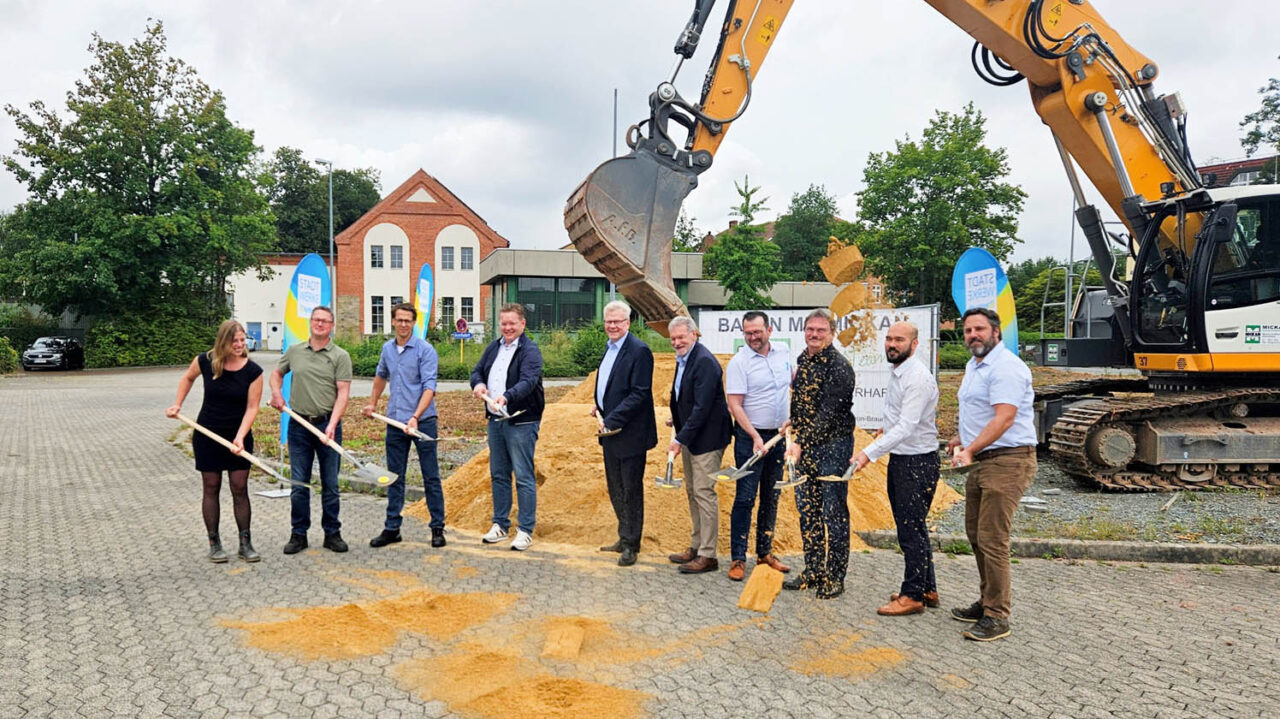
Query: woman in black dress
[[232, 393]]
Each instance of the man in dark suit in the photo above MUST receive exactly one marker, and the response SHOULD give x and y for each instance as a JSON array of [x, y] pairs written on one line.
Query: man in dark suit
[[701, 420], [624, 401]]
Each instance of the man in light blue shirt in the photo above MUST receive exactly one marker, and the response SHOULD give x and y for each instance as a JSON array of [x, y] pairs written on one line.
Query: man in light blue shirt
[[409, 365], [997, 432], [757, 385]]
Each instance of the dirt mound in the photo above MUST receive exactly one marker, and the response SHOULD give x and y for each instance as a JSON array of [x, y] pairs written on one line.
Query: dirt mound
[[573, 503]]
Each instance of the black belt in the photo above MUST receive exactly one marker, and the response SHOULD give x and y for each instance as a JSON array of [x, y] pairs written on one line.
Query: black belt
[[1002, 451], [317, 420]]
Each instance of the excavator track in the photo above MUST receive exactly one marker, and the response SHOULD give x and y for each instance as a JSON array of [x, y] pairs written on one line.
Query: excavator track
[[1072, 430]]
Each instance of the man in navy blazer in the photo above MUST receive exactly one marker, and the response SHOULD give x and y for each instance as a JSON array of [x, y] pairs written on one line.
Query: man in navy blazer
[[624, 401], [701, 420]]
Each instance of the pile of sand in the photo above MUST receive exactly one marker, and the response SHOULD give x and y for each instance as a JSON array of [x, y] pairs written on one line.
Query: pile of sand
[[367, 628], [838, 656], [512, 686], [573, 503]]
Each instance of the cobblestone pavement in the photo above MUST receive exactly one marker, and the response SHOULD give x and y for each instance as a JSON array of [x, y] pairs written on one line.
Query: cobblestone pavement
[[108, 608]]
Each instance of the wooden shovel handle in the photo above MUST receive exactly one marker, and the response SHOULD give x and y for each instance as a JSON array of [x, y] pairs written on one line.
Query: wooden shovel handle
[[223, 441]]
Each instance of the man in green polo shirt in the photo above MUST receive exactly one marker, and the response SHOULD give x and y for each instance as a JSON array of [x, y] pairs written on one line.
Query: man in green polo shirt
[[319, 391]]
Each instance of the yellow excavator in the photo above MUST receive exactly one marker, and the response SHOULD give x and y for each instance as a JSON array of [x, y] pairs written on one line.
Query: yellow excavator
[[1199, 312]]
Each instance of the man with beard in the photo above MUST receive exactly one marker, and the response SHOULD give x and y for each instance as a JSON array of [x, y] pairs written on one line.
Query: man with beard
[[757, 385], [910, 438], [996, 431]]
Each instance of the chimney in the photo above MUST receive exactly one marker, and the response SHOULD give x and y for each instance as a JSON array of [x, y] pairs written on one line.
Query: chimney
[[733, 224]]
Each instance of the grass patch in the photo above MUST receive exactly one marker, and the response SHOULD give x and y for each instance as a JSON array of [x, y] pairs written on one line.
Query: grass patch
[[956, 547], [1088, 528]]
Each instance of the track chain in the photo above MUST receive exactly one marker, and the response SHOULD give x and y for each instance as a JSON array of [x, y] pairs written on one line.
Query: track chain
[[1068, 436]]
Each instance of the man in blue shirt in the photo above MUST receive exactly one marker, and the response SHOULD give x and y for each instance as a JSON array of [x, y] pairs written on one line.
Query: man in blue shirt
[[409, 364], [997, 431], [624, 401]]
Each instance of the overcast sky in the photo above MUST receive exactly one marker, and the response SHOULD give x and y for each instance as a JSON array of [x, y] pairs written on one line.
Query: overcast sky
[[509, 103]]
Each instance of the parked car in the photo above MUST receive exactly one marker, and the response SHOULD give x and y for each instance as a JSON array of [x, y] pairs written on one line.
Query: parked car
[[251, 343], [54, 352]]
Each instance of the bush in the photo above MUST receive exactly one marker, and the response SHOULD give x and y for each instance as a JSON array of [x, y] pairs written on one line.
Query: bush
[[8, 357], [364, 355], [588, 348], [143, 341], [953, 355]]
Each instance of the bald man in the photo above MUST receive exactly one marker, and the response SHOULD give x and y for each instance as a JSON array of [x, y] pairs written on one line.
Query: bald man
[[910, 438]]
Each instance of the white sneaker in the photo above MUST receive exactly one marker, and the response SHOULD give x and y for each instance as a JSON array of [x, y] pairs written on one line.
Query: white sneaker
[[494, 535], [522, 541]]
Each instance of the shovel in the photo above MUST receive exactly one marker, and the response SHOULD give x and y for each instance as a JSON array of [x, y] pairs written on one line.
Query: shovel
[[602, 432], [732, 474], [500, 410], [414, 433], [368, 471], [848, 475], [792, 478], [668, 481], [962, 469], [243, 454]]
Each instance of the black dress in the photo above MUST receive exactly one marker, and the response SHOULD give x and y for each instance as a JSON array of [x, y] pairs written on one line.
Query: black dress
[[225, 399]]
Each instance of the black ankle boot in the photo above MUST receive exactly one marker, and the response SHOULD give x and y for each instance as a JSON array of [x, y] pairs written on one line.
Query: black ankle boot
[[216, 555], [247, 552]]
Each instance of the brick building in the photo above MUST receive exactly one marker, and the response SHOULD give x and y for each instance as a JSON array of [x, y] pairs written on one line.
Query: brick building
[[379, 256]]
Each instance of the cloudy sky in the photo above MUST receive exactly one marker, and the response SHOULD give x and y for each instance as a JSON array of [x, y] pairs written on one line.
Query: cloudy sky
[[509, 103]]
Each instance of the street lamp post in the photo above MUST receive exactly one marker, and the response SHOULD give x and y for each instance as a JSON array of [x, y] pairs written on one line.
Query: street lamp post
[[333, 269]]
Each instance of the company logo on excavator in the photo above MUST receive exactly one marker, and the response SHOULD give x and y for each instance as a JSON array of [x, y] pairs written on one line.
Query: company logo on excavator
[[621, 228]]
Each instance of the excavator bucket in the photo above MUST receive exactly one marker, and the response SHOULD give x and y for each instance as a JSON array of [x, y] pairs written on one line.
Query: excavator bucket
[[621, 219]]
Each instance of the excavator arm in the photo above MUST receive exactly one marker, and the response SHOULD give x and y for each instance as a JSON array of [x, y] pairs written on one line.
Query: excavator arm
[[1091, 88]]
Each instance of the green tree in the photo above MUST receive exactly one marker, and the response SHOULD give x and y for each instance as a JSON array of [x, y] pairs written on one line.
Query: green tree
[[925, 203], [298, 191], [686, 238], [1263, 125], [140, 195], [802, 233], [1269, 173], [745, 264], [1029, 296], [1020, 273]]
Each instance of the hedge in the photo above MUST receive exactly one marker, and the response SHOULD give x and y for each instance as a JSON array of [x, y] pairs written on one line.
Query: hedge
[[8, 357], [147, 341]]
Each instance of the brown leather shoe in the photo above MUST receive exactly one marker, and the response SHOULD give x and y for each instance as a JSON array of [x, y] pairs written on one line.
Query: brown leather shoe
[[930, 599], [901, 606], [773, 563], [737, 570], [700, 565], [684, 557]]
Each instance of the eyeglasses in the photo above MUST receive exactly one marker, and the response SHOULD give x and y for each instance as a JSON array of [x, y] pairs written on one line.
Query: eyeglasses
[[319, 321], [617, 322]]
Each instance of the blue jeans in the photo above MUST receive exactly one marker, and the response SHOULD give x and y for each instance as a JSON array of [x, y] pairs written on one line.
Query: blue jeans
[[397, 445], [824, 511], [511, 448], [764, 478], [304, 448]]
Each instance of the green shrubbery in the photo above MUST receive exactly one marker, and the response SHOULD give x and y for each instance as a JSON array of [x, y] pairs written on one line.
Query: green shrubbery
[[952, 355], [140, 341], [8, 357]]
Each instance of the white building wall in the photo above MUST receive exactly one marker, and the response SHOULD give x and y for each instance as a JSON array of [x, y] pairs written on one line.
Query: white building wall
[[385, 282], [457, 283], [262, 301]]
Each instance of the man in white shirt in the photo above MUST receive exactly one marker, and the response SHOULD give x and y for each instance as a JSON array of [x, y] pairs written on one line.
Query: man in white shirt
[[757, 385], [997, 431], [910, 438]]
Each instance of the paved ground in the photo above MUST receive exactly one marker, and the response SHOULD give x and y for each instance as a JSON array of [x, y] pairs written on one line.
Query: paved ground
[[107, 607]]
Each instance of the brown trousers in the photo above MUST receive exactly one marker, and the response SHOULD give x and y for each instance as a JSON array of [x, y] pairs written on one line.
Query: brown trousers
[[991, 495]]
